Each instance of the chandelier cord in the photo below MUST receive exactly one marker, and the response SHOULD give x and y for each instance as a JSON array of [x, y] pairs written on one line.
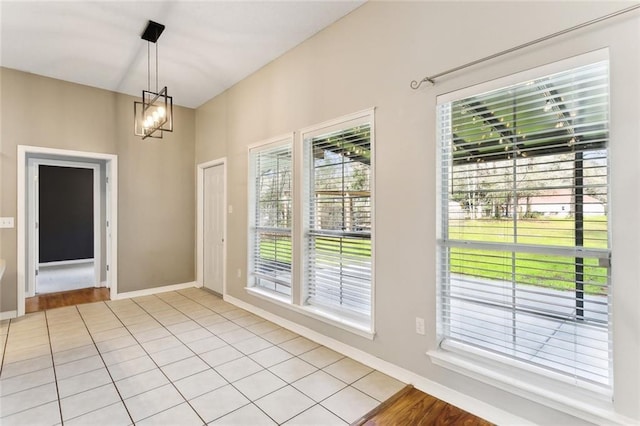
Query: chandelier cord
[[148, 67], [156, 67]]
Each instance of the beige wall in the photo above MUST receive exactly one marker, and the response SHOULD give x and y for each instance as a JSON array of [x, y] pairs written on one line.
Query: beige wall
[[367, 60], [156, 179]]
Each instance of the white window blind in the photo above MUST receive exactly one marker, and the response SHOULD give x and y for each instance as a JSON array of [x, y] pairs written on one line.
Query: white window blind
[[271, 217], [524, 232], [338, 234]]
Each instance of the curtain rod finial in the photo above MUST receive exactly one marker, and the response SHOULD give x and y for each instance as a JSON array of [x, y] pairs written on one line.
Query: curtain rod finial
[[416, 85]]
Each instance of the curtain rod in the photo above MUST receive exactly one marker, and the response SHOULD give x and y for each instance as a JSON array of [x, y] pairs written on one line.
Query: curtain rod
[[431, 79]]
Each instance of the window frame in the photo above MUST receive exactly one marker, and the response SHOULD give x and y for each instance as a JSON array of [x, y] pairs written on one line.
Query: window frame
[[271, 143], [295, 303], [532, 382], [341, 123]]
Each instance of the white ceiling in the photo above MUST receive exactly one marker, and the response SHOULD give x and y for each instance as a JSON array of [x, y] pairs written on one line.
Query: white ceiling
[[207, 46]]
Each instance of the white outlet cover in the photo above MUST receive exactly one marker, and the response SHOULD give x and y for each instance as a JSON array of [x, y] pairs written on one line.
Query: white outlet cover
[[6, 222]]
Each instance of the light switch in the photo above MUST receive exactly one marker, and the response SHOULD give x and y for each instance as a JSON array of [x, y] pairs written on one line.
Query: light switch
[[230, 209], [6, 222]]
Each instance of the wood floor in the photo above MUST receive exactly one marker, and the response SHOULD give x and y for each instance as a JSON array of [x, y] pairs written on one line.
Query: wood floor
[[65, 298], [413, 407]]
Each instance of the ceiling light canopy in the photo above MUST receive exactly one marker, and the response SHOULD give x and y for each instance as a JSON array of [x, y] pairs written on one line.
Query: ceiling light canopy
[[154, 115]]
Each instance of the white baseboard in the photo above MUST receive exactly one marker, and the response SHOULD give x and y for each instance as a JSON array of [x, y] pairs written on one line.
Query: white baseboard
[[8, 315], [65, 262], [155, 290], [463, 401]]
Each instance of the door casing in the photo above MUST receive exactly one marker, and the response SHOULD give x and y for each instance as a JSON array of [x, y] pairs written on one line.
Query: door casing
[[32, 212], [25, 152]]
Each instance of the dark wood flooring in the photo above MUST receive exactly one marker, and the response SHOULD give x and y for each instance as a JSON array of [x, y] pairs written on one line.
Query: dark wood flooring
[[65, 298], [415, 408]]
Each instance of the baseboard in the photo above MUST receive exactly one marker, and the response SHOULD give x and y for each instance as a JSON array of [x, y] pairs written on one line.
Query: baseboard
[[460, 400], [8, 315], [65, 262], [155, 290]]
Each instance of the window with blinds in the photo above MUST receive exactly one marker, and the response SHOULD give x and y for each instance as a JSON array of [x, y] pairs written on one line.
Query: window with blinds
[[524, 234], [271, 217], [338, 221]]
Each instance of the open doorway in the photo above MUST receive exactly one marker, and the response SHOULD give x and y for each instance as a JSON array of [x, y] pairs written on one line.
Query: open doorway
[[67, 229], [66, 244]]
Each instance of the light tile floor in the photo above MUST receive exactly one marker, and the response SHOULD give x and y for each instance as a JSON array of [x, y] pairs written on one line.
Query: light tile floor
[[176, 358]]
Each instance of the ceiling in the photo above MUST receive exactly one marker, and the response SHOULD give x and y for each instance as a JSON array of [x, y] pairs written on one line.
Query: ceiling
[[207, 46]]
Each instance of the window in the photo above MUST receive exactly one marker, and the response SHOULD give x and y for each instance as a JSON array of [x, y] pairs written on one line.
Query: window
[[523, 231], [338, 217], [271, 217], [321, 267]]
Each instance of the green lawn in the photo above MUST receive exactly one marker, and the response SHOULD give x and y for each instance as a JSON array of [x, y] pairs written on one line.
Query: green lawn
[[553, 232], [548, 271], [279, 248], [540, 270]]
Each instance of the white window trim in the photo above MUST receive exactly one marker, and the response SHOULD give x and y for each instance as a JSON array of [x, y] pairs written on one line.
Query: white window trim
[[268, 143], [296, 302], [543, 387], [312, 312], [322, 128], [534, 383]]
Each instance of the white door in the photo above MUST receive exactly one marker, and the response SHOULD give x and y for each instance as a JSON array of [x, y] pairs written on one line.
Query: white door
[[213, 238]]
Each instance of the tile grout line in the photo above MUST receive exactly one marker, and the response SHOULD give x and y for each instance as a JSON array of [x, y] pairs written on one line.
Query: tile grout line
[[33, 387], [307, 375], [251, 402], [4, 347], [105, 366], [53, 366], [347, 385], [154, 361], [173, 305]]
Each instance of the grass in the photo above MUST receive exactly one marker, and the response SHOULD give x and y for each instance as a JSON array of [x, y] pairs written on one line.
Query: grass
[[277, 248], [556, 272], [551, 232]]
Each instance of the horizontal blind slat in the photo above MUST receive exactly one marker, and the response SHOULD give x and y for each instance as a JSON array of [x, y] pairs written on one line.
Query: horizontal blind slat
[[338, 272], [523, 258], [270, 253]]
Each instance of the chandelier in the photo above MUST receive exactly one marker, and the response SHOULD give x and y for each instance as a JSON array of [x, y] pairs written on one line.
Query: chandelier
[[154, 114]]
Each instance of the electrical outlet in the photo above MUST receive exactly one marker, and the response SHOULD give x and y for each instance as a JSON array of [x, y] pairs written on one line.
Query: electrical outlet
[[230, 209], [239, 273], [420, 325], [6, 222]]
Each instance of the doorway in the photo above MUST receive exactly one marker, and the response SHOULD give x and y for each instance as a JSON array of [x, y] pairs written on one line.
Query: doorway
[[102, 271], [65, 207], [211, 268]]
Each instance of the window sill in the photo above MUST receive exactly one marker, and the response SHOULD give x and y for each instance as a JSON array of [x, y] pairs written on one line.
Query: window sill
[[314, 312], [581, 403]]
